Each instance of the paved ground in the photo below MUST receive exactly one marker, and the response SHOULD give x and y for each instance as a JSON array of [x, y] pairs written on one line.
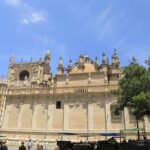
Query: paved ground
[[49, 147]]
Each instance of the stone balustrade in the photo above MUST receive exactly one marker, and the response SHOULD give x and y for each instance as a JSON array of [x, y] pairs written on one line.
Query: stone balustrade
[[84, 89]]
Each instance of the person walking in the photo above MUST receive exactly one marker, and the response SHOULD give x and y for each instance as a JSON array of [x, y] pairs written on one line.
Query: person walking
[[38, 147], [4, 146], [30, 144]]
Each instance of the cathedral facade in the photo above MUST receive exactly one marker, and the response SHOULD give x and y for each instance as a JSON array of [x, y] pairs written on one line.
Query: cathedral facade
[[39, 105]]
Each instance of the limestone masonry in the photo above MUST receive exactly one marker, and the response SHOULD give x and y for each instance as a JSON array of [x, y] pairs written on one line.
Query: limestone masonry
[[37, 104]]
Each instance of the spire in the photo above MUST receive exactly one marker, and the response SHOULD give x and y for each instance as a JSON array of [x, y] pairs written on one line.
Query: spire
[[47, 57], [96, 60], [60, 61], [115, 59], [60, 69], [104, 59], [70, 65], [96, 63], [11, 62]]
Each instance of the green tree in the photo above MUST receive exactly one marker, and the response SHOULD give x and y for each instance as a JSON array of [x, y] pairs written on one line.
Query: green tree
[[134, 89]]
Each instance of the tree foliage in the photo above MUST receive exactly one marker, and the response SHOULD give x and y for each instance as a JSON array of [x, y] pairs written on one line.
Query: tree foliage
[[135, 89]]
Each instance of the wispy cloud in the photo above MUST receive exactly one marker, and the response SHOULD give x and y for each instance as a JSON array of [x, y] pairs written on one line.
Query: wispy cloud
[[14, 3], [28, 13], [33, 17], [106, 22]]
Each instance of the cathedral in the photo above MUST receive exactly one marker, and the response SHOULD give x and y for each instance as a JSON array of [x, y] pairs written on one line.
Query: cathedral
[[78, 99]]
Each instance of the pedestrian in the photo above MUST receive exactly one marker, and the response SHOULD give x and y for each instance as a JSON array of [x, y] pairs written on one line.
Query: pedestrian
[[45, 145], [0, 145], [30, 144], [38, 147], [4, 146], [22, 147], [41, 147]]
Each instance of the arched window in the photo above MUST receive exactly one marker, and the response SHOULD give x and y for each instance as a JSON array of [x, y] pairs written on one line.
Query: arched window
[[24, 75]]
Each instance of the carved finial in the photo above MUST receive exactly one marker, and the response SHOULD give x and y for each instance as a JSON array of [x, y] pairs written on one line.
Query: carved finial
[[70, 61], [60, 60], [60, 69], [47, 57], [70, 65], [115, 53], [104, 59], [115, 59], [96, 60], [11, 60]]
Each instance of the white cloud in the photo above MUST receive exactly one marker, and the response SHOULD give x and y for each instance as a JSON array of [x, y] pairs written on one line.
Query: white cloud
[[33, 17], [14, 3], [29, 14]]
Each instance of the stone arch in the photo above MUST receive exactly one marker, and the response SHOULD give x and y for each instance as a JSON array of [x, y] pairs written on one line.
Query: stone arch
[[24, 75]]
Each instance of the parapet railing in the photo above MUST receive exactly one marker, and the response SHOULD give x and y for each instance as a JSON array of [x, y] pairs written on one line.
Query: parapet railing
[[59, 90]]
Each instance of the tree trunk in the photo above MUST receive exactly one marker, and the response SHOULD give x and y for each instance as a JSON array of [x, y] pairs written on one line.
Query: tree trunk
[[144, 128], [138, 132]]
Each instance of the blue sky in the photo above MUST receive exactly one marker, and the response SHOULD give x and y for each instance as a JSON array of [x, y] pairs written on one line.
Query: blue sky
[[73, 27]]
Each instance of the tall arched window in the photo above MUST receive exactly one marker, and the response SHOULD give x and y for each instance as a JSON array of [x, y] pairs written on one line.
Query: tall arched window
[[24, 75]]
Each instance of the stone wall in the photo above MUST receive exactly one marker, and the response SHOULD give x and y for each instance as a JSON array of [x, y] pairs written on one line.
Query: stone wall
[[36, 116]]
